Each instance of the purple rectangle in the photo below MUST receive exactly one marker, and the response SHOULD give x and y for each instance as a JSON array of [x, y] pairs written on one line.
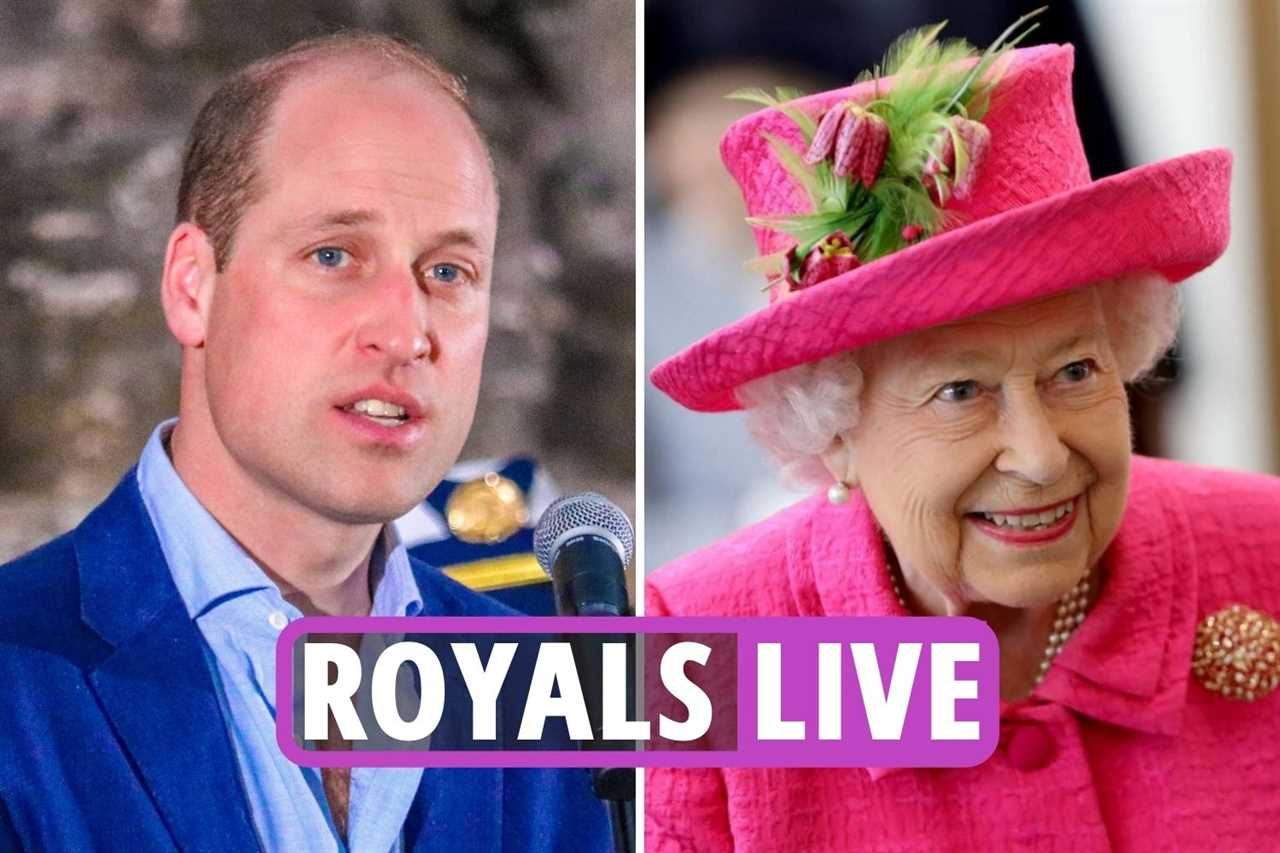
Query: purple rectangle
[[856, 748], [798, 639]]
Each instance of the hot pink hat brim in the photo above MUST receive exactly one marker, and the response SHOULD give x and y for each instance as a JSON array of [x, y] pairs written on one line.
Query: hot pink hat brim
[[1170, 217]]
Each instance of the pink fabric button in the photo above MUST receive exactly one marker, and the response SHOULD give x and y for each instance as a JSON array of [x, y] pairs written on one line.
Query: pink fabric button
[[1030, 747]]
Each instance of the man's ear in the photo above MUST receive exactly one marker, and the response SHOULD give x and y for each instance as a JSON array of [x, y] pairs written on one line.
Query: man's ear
[[838, 459], [186, 286]]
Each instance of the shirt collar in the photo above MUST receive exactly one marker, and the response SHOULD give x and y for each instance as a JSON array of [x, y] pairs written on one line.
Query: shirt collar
[[1128, 662], [210, 568], [395, 592]]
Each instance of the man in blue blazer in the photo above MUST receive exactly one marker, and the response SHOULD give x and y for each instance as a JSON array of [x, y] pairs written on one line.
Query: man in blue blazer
[[328, 281]]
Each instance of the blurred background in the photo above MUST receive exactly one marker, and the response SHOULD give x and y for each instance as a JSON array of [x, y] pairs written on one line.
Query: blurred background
[[96, 99], [1154, 79]]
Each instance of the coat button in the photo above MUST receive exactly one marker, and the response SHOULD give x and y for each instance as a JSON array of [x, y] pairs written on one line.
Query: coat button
[[1030, 747]]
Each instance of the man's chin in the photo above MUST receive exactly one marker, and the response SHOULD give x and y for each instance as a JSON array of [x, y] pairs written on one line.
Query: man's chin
[[370, 509], [362, 491]]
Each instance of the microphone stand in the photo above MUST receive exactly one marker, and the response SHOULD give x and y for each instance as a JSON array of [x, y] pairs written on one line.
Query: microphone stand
[[593, 593], [615, 786], [622, 814]]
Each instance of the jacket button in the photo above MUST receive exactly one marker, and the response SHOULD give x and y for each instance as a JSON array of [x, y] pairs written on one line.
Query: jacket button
[[1030, 747]]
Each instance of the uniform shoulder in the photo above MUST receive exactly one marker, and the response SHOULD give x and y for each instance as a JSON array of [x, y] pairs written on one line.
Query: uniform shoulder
[[739, 575], [444, 596]]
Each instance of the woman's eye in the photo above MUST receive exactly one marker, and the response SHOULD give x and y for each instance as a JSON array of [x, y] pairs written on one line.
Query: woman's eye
[[958, 392], [331, 257], [446, 273], [1077, 371]]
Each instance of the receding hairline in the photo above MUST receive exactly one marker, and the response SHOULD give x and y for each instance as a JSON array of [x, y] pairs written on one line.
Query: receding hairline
[[374, 55], [214, 192], [375, 67], [374, 48]]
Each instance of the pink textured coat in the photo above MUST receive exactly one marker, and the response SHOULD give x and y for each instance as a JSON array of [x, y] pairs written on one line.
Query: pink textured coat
[[1119, 748]]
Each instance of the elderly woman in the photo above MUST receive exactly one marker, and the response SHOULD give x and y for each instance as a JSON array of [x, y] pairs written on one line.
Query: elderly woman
[[955, 311]]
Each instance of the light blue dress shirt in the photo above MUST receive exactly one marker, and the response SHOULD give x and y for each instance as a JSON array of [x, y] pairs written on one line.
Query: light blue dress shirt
[[240, 613]]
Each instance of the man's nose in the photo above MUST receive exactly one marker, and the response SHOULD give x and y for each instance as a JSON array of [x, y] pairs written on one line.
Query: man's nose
[[396, 322], [1032, 445]]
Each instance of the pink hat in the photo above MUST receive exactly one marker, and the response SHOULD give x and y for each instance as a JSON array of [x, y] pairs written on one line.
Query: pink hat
[[1015, 216]]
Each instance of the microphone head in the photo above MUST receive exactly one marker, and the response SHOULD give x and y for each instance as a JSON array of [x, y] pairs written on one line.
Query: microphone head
[[585, 512]]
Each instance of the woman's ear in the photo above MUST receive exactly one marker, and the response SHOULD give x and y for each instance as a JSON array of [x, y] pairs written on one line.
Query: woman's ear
[[186, 286], [838, 459]]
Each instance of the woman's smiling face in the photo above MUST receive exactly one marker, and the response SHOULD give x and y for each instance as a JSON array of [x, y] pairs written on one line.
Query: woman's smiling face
[[994, 451]]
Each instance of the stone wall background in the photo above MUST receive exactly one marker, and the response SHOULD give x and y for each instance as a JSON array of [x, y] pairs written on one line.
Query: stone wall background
[[96, 99]]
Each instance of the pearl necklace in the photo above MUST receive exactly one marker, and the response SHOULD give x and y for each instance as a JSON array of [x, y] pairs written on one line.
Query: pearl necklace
[[1070, 613]]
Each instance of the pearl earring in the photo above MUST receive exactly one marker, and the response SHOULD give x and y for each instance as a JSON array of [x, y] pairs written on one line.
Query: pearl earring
[[838, 494]]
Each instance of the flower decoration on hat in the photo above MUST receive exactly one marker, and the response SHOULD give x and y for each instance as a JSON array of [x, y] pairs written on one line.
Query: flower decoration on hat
[[880, 175]]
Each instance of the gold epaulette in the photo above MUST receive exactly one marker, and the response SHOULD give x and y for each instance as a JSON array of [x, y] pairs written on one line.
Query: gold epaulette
[[493, 573]]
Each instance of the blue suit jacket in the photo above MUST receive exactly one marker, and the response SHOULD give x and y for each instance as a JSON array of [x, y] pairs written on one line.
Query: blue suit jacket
[[111, 736]]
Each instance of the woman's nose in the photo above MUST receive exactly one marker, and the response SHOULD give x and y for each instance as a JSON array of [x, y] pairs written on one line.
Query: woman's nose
[[1032, 446]]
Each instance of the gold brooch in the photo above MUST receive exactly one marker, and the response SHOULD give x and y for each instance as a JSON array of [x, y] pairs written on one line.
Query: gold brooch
[[486, 510], [1237, 653]]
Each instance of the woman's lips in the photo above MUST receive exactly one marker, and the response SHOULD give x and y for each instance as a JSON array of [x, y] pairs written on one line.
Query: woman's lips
[[1028, 536]]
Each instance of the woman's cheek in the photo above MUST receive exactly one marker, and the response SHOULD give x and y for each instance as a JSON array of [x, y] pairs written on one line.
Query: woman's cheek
[[1111, 497], [1104, 442], [944, 553], [932, 535], [1103, 436]]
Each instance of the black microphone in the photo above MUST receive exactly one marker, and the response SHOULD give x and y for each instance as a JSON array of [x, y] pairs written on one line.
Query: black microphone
[[585, 543]]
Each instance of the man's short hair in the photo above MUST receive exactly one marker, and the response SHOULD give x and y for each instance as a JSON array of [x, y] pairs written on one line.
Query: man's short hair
[[220, 171]]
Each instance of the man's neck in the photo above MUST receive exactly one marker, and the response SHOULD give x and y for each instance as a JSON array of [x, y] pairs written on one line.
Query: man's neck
[[321, 566]]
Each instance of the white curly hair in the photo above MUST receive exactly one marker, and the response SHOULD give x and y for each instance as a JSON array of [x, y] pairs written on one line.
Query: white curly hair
[[796, 413]]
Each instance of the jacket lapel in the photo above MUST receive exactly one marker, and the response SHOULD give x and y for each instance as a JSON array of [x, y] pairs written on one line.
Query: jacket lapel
[[454, 808], [1129, 663], [155, 687]]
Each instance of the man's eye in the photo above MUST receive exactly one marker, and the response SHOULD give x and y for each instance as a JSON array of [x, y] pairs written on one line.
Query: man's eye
[[1077, 371], [446, 273], [332, 257], [958, 392]]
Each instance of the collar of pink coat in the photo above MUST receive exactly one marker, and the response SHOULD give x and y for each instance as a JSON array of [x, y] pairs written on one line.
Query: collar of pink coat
[[1127, 665]]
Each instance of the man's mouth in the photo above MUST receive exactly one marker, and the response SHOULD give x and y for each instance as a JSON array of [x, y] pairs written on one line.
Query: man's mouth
[[1041, 519], [379, 411]]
